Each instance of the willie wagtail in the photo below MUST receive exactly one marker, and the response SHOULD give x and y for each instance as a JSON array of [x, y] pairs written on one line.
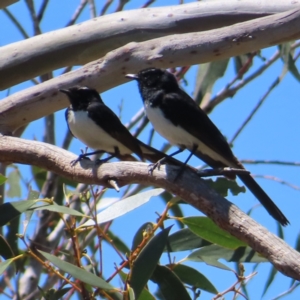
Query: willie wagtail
[[177, 117], [98, 127]]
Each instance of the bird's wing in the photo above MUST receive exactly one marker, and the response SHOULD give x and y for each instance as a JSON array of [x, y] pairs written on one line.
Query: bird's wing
[[188, 115], [108, 121]]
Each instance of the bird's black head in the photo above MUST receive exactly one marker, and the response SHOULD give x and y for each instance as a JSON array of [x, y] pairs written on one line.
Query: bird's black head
[[152, 79], [81, 96]]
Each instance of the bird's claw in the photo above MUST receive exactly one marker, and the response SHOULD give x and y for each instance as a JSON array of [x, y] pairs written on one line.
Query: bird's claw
[[79, 158], [154, 166]]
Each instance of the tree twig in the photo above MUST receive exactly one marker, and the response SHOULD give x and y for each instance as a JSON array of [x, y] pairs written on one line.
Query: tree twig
[[256, 108], [270, 162], [16, 23]]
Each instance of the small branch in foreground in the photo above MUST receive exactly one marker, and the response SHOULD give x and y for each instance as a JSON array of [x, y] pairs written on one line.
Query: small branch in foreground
[[270, 162], [295, 187]]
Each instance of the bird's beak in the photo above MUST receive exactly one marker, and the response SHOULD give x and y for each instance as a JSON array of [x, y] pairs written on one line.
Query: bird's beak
[[132, 76]]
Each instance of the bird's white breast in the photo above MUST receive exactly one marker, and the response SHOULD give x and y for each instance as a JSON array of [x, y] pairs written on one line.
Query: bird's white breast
[[83, 128], [176, 135]]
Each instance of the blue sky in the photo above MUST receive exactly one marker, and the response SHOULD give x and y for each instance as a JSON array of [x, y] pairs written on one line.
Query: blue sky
[[271, 135]]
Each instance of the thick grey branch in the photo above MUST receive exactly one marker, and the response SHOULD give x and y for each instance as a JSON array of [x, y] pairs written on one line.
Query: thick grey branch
[[82, 43], [175, 50], [4, 3], [189, 187]]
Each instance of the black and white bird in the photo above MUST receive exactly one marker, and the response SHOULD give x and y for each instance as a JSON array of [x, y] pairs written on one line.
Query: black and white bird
[[98, 127], [177, 117], [92, 122]]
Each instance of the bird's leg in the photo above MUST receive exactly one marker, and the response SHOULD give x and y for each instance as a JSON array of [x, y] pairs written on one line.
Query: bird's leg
[[84, 155], [116, 154], [195, 147], [157, 165]]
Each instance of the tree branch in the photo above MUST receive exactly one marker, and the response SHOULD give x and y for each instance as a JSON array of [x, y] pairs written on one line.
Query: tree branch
[[82, 43], [189, 187], [175, 50], [5, 3]]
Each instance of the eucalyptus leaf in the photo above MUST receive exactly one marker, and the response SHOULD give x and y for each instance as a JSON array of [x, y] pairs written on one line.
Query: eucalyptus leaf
[[194, 278], [211, 254], [5, 250], [208, 230], [60, 209], [14, 185], [32, 195], [207, 76], [169, 283], [2, 179], [286, 55], [146, 262], [78, 273], [270, 279], [123, 207], [138, 237], [185, 239], [5, 264], [11, 210]]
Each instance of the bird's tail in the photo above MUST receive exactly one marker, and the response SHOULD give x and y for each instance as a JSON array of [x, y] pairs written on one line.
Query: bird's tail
[[264, 199]]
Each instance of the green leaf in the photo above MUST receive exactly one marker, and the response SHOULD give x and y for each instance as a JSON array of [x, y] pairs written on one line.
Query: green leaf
[[124, 206], [185, 239], [208, 230], [211, 259], [60, 209], [11, 210], [13, 181], [11, 236], [280, 232], [32, 195], [121, 246], [2, 179], [146, 262], [59, 293], [297, 247], [131, 294], [270, 279], [146, 295], [194, 278], [39, 176], [5, 250], [242, 64], [169, 283], [222, 185], [175, 209], [207, 76], [286, 55], [53, 294], [211, 254], [5, 264], [77, 272], [138, 237]]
